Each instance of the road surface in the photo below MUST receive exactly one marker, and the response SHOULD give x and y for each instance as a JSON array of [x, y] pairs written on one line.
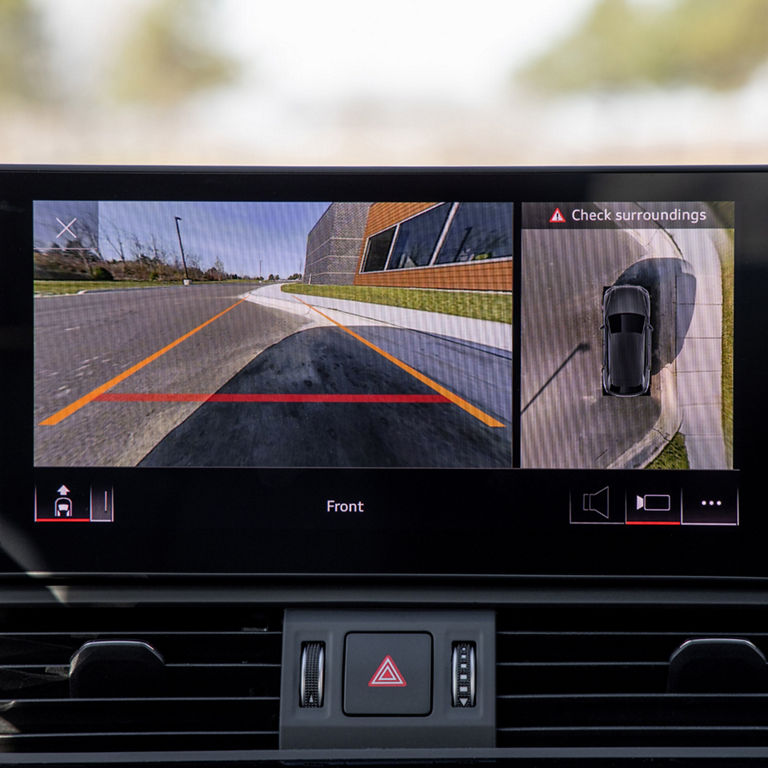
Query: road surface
[[196, 377], [326, 362], [83, 341]]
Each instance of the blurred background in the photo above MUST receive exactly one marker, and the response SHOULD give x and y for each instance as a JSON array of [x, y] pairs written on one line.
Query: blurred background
[[402, 82]]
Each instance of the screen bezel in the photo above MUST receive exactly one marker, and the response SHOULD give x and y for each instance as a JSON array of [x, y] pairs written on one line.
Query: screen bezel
[[424, 521]]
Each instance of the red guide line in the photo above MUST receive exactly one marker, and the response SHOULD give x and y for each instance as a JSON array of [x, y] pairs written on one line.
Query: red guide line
[[62, 519], [172, 397], [653, 522]]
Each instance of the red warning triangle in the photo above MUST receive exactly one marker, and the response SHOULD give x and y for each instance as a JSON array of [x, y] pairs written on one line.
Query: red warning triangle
[[387, 675], [557, 217]]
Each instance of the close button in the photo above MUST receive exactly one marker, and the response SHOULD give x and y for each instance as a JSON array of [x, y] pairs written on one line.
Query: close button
[[388, 673]]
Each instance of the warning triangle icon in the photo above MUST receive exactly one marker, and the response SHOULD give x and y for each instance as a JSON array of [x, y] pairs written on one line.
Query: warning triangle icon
[[387, 675], [557, 217]]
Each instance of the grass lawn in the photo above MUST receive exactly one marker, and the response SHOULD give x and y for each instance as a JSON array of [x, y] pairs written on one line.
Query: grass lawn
[[674, 456], [475, 304], [62, 287], [726, 266], [59, 287]]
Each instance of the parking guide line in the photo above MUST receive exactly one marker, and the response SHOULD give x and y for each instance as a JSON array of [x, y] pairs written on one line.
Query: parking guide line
[[59, 416], [288, 397], [446, 393]]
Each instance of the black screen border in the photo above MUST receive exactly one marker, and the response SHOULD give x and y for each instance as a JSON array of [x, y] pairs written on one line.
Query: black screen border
[[430, 521]]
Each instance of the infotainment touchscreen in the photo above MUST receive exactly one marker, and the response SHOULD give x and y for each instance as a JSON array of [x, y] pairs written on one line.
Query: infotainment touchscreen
[[404, 371]]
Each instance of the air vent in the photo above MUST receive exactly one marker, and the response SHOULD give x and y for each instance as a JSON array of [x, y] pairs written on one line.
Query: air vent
[[220, 687], [597, 676]]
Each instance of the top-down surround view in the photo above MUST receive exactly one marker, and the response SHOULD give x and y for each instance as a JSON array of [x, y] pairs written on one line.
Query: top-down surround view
[[575, 258]]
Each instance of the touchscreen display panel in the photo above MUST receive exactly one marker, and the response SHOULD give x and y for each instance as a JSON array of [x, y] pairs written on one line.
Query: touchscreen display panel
[[488, 372]]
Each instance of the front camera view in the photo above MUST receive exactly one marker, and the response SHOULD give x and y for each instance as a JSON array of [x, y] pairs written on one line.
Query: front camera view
[[292, 334], [627, 335]]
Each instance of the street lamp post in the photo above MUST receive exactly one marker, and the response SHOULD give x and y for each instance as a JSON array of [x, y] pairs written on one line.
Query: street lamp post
[[181, 248]]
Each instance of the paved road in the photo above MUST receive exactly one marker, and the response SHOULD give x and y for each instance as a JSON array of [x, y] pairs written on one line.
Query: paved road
[[566, 421], [330, 361], [84, 341]]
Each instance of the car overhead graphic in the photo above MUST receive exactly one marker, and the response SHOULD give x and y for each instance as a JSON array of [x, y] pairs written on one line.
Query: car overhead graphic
[[626, 340]]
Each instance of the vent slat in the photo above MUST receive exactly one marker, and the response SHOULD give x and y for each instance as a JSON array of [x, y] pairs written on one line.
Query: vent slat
[[636, 617], [137, 741], [607, 736], [574, 677], [74, 620], [640, 634], [47, 716], [220, 687], [596, 676], [176, 647], [625, 710], [32, 681], [599, 647]]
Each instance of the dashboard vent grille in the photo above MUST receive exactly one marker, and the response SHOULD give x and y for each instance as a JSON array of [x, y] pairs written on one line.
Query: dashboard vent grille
[[596, 676], [220, 688]]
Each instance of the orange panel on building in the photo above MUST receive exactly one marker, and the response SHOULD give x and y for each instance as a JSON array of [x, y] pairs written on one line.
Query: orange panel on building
[[478, 276], [383, 215]]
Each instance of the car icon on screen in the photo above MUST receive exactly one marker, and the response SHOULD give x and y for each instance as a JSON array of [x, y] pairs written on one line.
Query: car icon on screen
[[626, 340]]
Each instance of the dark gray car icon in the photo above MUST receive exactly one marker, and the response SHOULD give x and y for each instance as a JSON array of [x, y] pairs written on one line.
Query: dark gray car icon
[[626, 340]]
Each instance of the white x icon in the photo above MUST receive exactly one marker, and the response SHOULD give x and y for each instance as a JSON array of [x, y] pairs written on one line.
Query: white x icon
[[66, 227]]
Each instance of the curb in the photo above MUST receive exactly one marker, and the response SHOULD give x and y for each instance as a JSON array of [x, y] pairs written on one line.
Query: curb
[[666, 426]]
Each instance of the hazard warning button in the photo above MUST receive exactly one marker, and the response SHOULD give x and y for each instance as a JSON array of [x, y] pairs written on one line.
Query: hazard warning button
[[387, 673]]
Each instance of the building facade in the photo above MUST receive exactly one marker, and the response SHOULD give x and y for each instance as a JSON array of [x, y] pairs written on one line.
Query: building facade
[[333, 245], [458, 246]]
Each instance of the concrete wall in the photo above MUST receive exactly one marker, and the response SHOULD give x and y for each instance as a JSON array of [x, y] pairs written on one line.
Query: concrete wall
[[333, 245]]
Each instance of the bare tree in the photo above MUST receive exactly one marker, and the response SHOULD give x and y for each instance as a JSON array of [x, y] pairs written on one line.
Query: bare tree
[[115, 238]]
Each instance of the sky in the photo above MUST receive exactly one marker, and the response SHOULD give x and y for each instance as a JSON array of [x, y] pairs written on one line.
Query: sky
[[251, 239]]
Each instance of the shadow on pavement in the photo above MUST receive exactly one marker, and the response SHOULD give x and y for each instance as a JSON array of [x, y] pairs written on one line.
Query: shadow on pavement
[[583, 347], [329, 361], [673, 295]]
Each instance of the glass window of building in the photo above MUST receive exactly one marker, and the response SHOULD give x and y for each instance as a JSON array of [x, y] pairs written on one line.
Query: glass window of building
[[417, 238], [478, 231], [377, 250]]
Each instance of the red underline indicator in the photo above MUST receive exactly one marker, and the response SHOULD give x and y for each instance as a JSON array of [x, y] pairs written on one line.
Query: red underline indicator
[[193, 397], [653, 522]]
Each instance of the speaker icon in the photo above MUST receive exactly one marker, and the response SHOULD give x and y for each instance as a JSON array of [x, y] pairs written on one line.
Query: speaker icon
[[599, 502]]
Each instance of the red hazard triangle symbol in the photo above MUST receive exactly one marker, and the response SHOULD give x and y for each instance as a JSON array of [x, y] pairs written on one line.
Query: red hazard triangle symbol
[[557, 217], [387, 675]]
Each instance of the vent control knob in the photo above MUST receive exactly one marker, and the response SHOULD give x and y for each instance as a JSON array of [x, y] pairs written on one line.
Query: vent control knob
[[312, 674], [463, 674]]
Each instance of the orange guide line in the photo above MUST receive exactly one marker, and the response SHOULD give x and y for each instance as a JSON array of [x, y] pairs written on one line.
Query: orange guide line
[[446, 393], [94, 393]]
